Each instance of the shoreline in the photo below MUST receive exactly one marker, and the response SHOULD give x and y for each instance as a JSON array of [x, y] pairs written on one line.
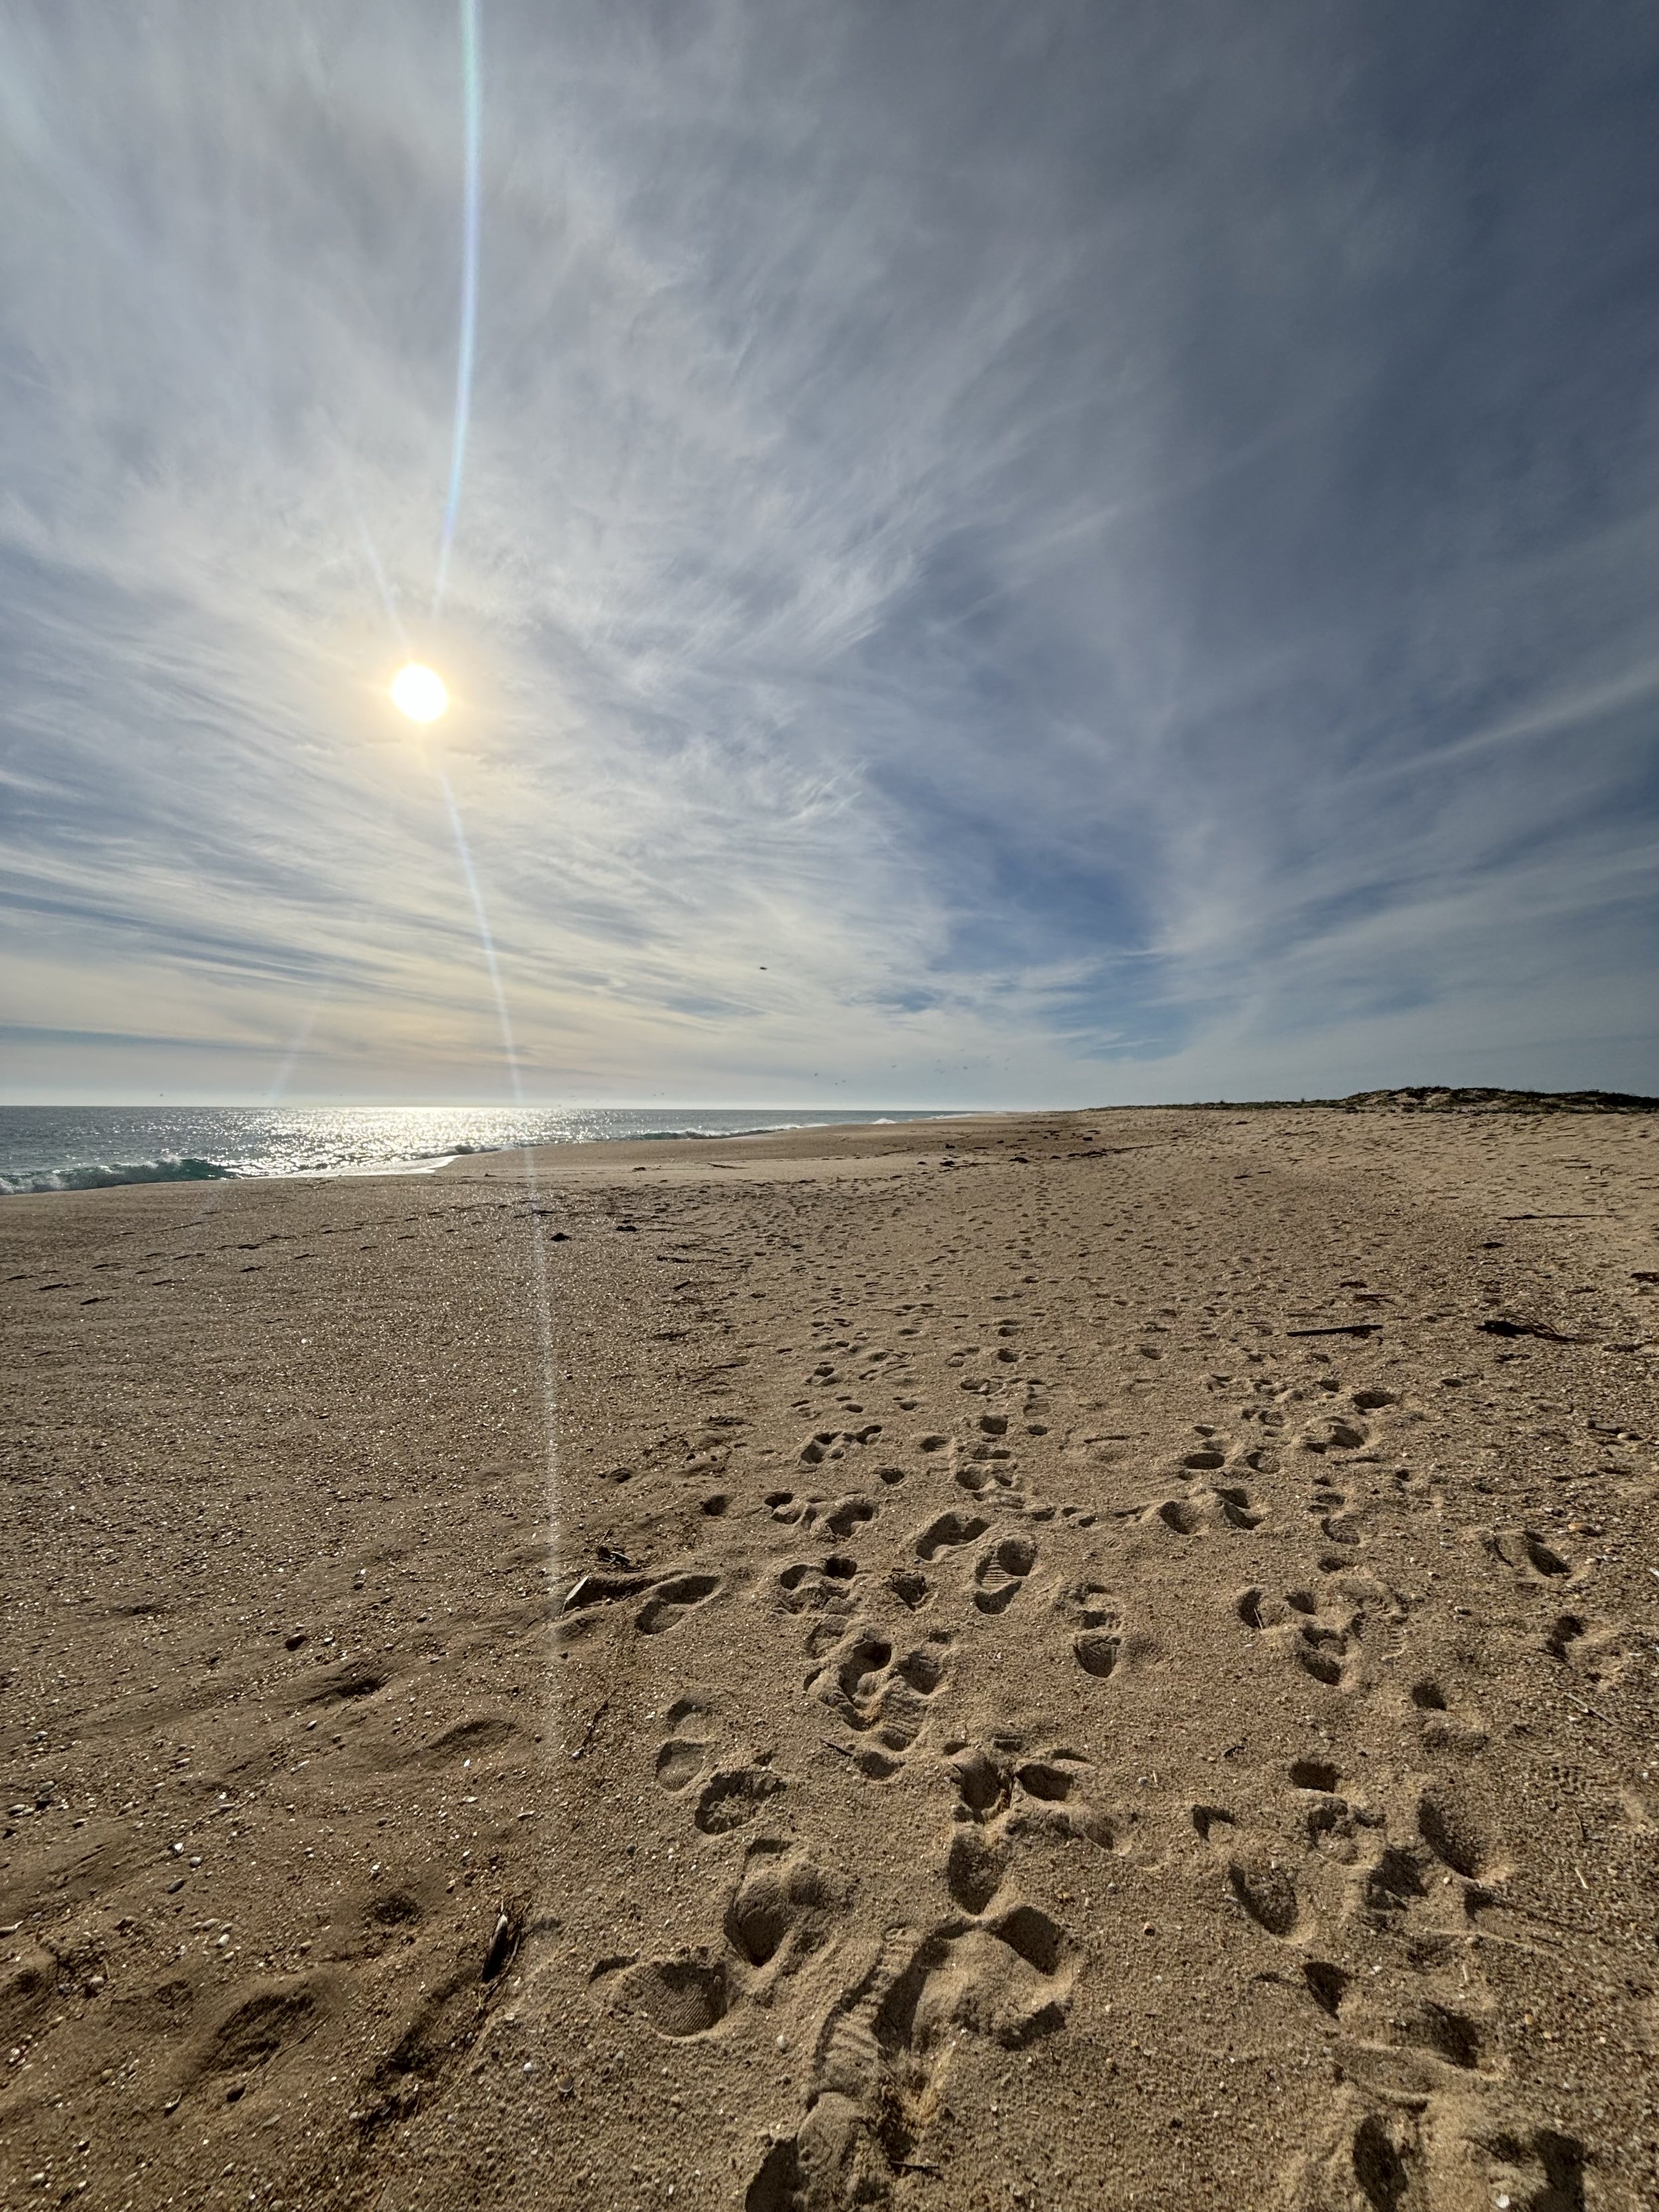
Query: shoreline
[[200, 1169], [1524, 1106], [1144, 1619]]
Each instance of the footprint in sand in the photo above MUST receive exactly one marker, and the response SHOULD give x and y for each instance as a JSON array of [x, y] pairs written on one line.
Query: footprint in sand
[[1212, 1823], [1206, 1503], [910, 1586], [679, 1762], [1001, 1572], [467, 1739], [678, 1997], [1207, 1458], [1595, 1651], [1337, 1433], [1001, 1790], [1442, 1729], [669, 1602], [948, 1532], [1337, 1526], [1335, 1827], [1319, 1774], [1007, 1978], [781, 1894], [1327, 1983], [1445, 2032], [983, 1461], [1406, 2153], [878, 1691], [883, 2050], [841, 1516], [779, 1900], [1256, 1876], [818, 1585], [1455, 1832], [1098, 1652], [983, 1783], [1184, 1516], [847, 1514], [1532, 1557], [1447, 1873], [1324, 1633], [975, 1866], [732, 1798], [1259, 1882], [1392, 1883], [682, 1758], [1234, 1505], [256, 2030], [1099, 1647], [836, 1444], [1375, 2163]]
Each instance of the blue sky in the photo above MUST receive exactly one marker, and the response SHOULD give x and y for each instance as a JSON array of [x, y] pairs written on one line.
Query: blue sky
[[1056, 552]]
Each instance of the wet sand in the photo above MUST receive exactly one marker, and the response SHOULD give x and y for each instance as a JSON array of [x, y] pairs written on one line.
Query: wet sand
[[1097, 1660]]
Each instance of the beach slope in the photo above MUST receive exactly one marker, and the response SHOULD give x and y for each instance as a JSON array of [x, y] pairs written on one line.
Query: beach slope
[[1093, 1660]]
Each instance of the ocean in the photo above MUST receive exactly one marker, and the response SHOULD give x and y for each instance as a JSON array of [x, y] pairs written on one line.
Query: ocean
[[45, 1148]]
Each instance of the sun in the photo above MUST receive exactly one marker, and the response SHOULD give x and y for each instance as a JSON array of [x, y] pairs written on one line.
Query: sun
[[420, 692]]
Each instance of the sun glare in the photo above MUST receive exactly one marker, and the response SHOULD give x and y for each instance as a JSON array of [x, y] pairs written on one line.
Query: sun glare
[[419, 692]]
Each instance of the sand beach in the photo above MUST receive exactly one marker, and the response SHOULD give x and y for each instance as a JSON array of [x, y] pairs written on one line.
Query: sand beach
[[1094, 1659]]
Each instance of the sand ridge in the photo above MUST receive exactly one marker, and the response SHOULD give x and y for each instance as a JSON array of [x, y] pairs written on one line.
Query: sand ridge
[[1088, 1660]]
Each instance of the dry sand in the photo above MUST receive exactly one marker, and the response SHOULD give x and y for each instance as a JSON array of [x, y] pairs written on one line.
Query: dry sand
[[1010, 1698]]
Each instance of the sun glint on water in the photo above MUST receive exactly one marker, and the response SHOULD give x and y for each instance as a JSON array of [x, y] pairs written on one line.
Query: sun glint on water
[[420, 692]]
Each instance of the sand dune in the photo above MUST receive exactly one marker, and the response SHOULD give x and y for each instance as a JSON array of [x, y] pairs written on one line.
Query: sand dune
[[1087, 1660]]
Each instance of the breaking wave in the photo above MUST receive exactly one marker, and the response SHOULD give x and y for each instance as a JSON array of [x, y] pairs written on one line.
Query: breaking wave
[[99, 1175]]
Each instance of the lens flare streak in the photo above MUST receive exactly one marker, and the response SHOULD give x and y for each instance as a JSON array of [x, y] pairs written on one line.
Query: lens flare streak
[[431, 693], [472, 96], [540, 1292], [509, 1050]]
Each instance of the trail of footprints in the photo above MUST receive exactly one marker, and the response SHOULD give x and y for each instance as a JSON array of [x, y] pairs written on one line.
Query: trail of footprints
[[1371, 1912], [992, 1963], [1374, 1911], [1356, 1902]]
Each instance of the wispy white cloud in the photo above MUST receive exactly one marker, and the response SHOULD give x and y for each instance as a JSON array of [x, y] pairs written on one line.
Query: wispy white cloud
[[1006, 552]]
